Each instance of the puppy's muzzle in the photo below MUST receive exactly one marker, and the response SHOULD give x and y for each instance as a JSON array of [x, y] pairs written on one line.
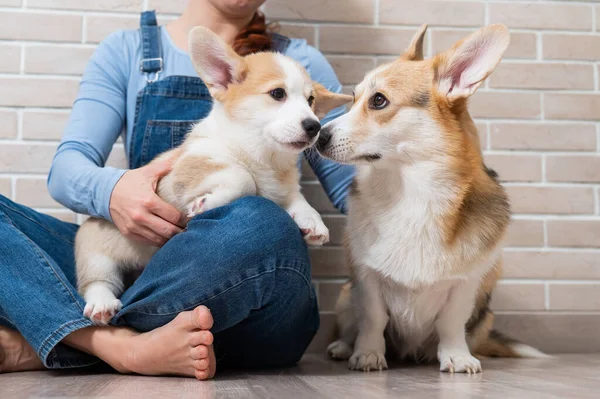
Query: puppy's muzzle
[[311, 127]]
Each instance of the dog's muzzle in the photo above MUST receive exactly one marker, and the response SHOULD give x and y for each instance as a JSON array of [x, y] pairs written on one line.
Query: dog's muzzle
[[324, 139]]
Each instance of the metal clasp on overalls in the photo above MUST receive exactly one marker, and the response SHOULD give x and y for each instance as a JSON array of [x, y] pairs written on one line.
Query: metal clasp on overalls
[[152, 77]]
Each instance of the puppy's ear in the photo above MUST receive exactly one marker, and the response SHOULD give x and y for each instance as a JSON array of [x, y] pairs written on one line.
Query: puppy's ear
[[414, 52], [326, 100], [216, 63], [462, 69]]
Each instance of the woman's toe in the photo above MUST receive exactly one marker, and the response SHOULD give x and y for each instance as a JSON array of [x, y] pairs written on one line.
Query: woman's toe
[[202, 364], [202, 318], [202, 374], [201, 338], [197, 319], [199, 352]]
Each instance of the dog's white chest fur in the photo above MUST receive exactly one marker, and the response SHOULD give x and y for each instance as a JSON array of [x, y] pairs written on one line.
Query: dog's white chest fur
[[413, 312], [397, 234], [405, 252]]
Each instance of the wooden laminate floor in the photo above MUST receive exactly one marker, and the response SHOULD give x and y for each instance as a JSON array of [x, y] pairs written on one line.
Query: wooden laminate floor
[[565, 376]]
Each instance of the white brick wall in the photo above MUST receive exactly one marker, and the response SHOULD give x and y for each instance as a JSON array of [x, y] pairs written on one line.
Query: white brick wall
[[538, 117]]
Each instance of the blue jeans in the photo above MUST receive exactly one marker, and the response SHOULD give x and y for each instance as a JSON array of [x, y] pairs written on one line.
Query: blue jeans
[[247, 262]]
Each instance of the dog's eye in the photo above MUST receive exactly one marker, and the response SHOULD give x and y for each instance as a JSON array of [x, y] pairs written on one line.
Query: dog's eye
[[378, 101], [277, 94], [311, 100]]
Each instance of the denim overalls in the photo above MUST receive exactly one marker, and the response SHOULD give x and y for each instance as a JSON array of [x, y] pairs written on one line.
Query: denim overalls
[[167, 108]]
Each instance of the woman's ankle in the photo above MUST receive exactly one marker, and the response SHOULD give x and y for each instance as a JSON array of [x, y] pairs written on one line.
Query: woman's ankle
[[16, 354], [114, 345]]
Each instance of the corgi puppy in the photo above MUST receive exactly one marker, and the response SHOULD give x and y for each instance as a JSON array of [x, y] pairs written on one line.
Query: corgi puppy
[[426, 216], [265, 113]]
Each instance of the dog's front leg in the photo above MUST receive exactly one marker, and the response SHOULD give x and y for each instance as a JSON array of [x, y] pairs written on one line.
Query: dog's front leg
[[308, 220], [453, 351], [369, 348], [233, 183]]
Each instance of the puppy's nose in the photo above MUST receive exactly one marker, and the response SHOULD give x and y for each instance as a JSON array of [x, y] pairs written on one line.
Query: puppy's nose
[[324, 138], [311, 127]]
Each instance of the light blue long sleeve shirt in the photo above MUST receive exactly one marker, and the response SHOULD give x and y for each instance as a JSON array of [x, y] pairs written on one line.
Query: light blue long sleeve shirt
[[105, 109]]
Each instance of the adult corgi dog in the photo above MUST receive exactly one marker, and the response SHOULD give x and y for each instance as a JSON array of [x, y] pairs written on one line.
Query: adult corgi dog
[[426, 216], [265, 113]]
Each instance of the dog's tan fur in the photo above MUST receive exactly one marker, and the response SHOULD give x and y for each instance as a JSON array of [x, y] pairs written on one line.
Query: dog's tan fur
[[247, 145], [426, 216]]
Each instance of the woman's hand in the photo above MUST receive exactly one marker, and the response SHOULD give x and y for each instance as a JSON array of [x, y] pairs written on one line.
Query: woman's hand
[[137, 210]]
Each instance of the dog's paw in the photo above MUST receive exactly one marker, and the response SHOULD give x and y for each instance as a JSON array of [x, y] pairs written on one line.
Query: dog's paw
[[459, 362], [339, 350], [197, 206], [101, 311], [367, 361], [313, 229]]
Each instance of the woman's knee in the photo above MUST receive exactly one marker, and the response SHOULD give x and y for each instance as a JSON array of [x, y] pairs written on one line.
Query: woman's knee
[[264, 218], [4, 201], [252, 230]]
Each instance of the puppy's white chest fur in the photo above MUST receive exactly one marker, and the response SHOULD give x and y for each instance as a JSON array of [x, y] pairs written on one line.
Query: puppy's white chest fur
[[276, 181], [276, 185]]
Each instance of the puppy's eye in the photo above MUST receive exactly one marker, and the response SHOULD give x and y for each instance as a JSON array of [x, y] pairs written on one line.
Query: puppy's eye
[[277, 94], [311, 100], [378, 101]]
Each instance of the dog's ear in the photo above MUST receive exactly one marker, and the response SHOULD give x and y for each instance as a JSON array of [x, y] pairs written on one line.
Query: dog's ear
[[414, 52], [326, 100], [216, 62], [462, 69]]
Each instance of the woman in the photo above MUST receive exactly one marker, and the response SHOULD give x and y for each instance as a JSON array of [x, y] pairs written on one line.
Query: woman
[[246, 262]]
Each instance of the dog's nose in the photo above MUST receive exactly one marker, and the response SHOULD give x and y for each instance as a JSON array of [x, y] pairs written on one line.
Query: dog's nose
[[324, 138], [311, 127]]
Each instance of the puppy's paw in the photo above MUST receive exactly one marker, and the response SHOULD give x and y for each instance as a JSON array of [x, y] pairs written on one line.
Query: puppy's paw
[[101, 311], [367, 361], [339, 350], [459, 362], [313, 229], [197, 206]]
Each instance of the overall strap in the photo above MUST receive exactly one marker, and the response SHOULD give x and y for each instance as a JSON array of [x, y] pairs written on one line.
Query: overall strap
[[152, 61], [279, 43]]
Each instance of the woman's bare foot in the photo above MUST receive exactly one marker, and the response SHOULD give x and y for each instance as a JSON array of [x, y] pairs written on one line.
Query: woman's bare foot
[[16, 354], [181, 347]]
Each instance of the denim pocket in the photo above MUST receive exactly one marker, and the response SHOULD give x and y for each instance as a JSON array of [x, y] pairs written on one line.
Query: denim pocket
[[162, 135]]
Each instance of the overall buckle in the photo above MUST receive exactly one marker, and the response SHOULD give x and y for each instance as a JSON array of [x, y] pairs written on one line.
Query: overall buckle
[[152, 76]]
